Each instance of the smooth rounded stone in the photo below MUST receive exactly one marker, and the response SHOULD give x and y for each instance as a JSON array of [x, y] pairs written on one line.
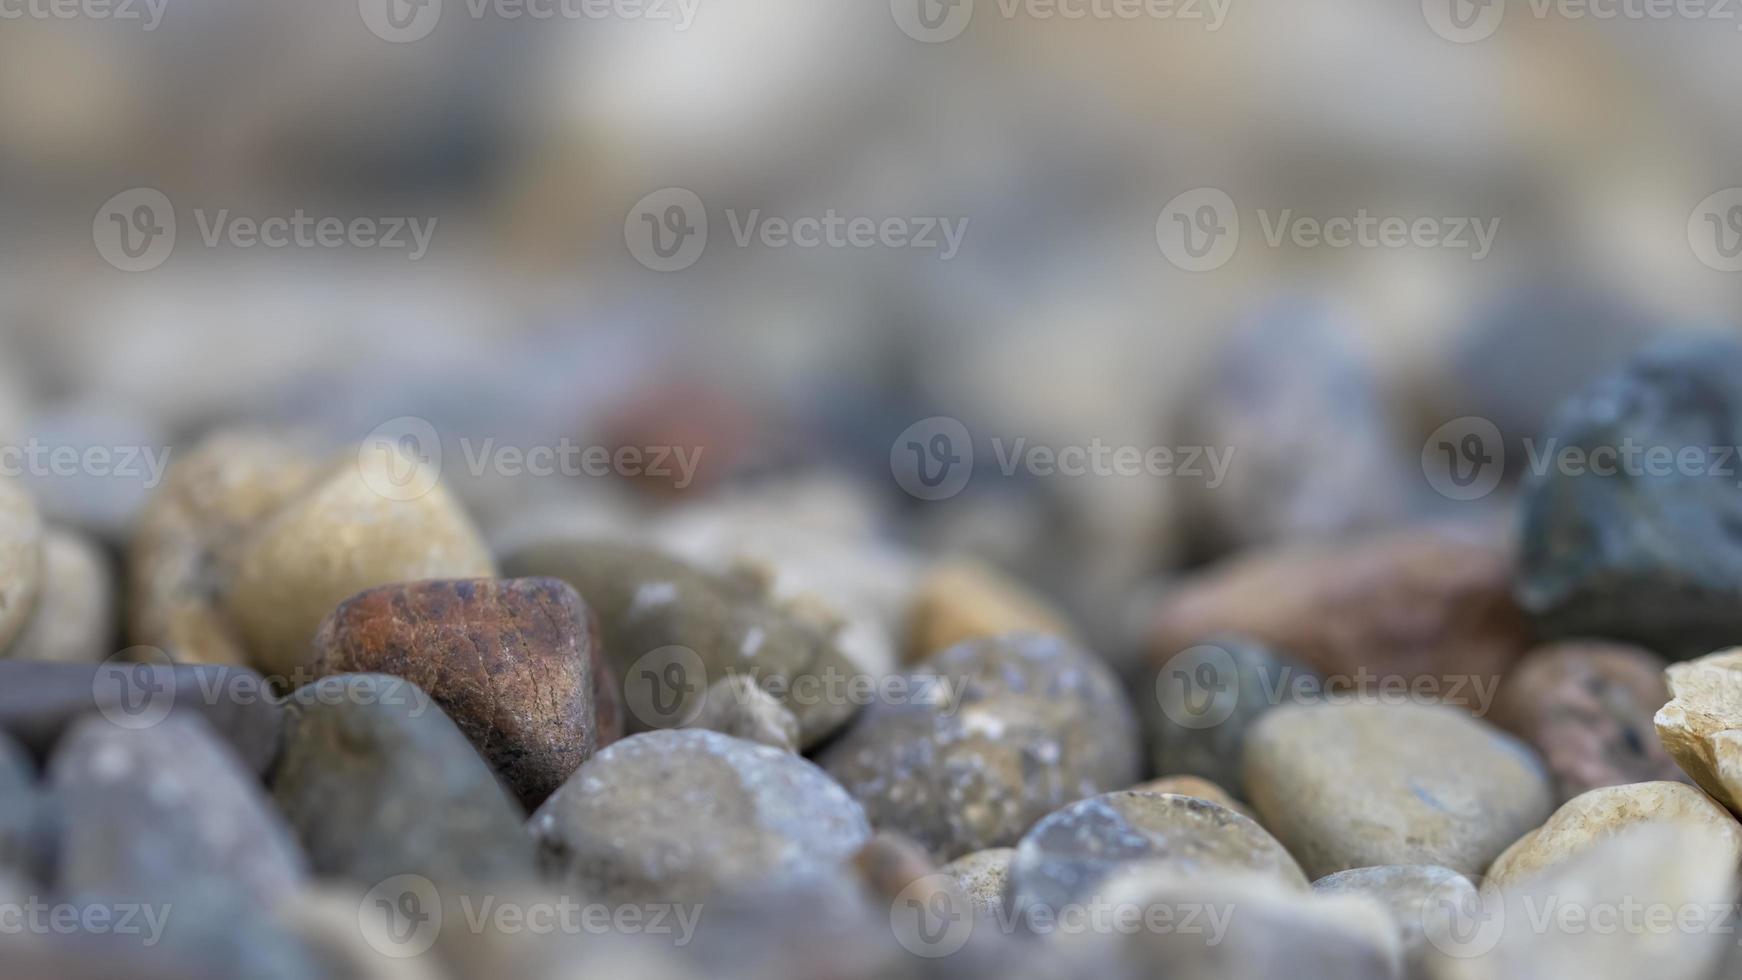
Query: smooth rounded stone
[[1290, 396], [1067, 856], [984, 877], [1197, 787], [20, 814], [681, 815], [379, 782], [1361, 784], [1701, 727], [1641, 547], [1408, 891], [21, 560], [344, 534], [989, 737], [76, 615], [1207, 697], [182, 553], [889, 863], [1227, 923], [962, 599], [327, 922], [1602, 813], [663, 619], [162, 811], [1587, 708], [738, 707], [509, 660], [1647, 902], [1423, 603], [40, 702]]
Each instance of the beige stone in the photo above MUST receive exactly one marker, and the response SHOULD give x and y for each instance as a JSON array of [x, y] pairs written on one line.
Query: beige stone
[[1197, 787], [1361, 784], [1701, 726], [75, 617], [20, 560], [1592, 817], [348, 532], [968, 600], [180, 559], [984, 876]]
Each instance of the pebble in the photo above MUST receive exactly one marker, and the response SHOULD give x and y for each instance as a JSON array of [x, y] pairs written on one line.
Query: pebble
[[962, 599], [984, 877], [683, 815], [1408, 891], [650, 604], [326, 921], [1361, 784], [1587, 708], [1601, 813], [1420, 603], [21, 560], [889, 863], [164, 811], [1196, 787], [738, 707], [1067, 857], [1314, 455], [340, 536], [510, 661], [182, 554], [20, 810], [1648, 554], [75, 621], [1701, 727], [40, 702], [1208, 696], [1647, 902], [607, 693], [1224, 923], [990, 736], [379, 782]]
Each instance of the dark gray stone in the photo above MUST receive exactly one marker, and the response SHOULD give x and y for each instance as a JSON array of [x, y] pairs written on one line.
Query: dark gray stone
[[378, 782], [1648, 551]]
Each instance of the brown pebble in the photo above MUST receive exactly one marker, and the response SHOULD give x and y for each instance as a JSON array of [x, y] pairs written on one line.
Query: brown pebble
[[510, 660], [1587, 707]]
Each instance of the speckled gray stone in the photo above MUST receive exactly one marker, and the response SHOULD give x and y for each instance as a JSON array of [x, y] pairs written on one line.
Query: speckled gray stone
[[1208, 696], [1405, 889], [998, 733], [649, 602], [379, 782], [736, 706], [1067, 856], [162, 811], [682, 815], [984, 875], [1361, 784]]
